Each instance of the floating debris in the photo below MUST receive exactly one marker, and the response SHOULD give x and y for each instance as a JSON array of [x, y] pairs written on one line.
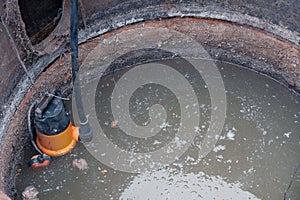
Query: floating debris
[[81, 164], [230, 135], [30, 193], [19, 171], [104, 171], [219, 148], [287, 135], [113, 124]]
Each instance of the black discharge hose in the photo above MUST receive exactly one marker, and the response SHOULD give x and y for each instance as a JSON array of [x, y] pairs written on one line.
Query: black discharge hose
[[85, 130]]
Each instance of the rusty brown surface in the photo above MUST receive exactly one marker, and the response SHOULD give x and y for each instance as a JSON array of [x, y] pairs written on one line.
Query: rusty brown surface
[[227, 41], [223, 40], [247, 42]]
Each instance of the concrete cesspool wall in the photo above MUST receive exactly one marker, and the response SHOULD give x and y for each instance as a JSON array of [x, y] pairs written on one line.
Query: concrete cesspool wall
[[263, 36]]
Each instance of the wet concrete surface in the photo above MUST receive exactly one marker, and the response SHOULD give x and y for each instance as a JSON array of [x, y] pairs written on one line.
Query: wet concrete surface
[[255, 157]]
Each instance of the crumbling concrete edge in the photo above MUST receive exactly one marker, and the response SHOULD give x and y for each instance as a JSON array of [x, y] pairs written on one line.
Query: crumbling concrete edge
[[153, 13]]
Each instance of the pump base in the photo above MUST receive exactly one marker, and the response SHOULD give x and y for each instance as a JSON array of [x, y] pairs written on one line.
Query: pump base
[[60, 144]]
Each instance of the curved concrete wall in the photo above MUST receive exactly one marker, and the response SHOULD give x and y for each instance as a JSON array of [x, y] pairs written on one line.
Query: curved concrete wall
[[263, 35]]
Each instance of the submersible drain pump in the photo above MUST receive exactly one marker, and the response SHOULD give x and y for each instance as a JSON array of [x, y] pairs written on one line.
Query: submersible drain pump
[[54, 133], [56, 136]]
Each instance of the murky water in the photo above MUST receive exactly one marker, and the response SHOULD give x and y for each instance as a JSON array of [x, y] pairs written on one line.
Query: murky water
[[255, 157]]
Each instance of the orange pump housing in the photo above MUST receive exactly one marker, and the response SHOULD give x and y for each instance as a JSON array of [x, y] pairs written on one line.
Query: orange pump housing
[[59, 144]]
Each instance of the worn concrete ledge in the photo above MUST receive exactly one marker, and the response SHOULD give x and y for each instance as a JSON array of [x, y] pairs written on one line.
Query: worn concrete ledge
[[99, 26]]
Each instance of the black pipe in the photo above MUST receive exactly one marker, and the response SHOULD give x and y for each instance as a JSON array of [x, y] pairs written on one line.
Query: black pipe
[[74, 38], [85, 130]]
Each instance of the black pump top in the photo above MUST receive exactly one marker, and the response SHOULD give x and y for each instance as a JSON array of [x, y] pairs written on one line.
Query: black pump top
[[50, 116]]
